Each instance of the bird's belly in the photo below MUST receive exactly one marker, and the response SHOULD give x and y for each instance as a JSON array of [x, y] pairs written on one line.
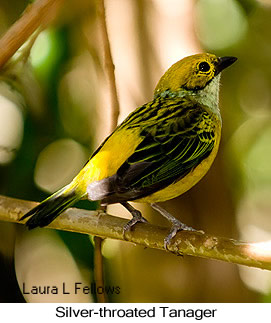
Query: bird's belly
[[184, 184]]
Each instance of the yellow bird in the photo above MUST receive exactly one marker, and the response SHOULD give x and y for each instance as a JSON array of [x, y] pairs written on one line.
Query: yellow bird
[[158, 152]]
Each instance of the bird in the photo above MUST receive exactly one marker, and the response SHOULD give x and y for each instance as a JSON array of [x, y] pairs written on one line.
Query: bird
[[161, 150]]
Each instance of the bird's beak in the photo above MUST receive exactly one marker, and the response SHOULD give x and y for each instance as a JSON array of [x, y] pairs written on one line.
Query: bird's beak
[[224, 62]]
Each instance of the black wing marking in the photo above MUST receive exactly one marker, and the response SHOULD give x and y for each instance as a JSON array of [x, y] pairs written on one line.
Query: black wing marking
[[177, 137]]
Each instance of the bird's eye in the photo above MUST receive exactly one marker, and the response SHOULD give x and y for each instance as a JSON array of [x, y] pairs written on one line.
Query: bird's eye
[[204, 67]]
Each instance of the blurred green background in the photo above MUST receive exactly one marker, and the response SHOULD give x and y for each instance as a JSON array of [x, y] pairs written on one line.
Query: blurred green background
[[55, 110]]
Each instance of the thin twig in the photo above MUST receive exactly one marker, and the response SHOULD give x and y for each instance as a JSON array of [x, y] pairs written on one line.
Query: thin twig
[[109, 65], [40, 13], [185, 243], [98, 270], [25, 53], [114, 108]]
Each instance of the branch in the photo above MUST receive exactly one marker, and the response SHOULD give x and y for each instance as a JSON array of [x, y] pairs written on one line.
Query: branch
[[98, 267], [40, 13], [185, 243], [109, 65]]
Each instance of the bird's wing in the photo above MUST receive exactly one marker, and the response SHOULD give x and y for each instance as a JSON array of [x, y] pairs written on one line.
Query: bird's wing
[[176, 138]]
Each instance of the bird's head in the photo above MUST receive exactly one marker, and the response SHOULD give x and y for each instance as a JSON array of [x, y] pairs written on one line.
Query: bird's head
[[193, 74]]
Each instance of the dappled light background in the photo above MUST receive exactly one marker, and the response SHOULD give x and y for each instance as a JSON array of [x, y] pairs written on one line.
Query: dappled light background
[[55, 110]]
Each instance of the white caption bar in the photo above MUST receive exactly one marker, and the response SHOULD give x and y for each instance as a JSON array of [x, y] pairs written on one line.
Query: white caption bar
[[135, 312]]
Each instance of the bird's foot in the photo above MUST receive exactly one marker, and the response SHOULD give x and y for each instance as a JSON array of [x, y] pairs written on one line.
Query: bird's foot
[[176, 226], [137, 218]]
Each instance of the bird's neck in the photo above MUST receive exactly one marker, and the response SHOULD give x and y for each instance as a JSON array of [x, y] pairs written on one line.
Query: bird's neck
[[209, 96]]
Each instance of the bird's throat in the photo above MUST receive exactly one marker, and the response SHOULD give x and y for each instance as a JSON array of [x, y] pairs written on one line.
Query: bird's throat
[[208, 96]]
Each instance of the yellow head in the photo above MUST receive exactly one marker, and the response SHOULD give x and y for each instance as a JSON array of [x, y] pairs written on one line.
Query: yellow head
[[192, 73]]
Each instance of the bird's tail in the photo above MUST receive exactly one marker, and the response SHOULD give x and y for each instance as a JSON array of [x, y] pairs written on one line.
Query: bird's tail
[[49, 209]]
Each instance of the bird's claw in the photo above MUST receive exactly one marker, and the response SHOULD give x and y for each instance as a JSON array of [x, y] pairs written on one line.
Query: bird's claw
[[137, 218], [177, 226]]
